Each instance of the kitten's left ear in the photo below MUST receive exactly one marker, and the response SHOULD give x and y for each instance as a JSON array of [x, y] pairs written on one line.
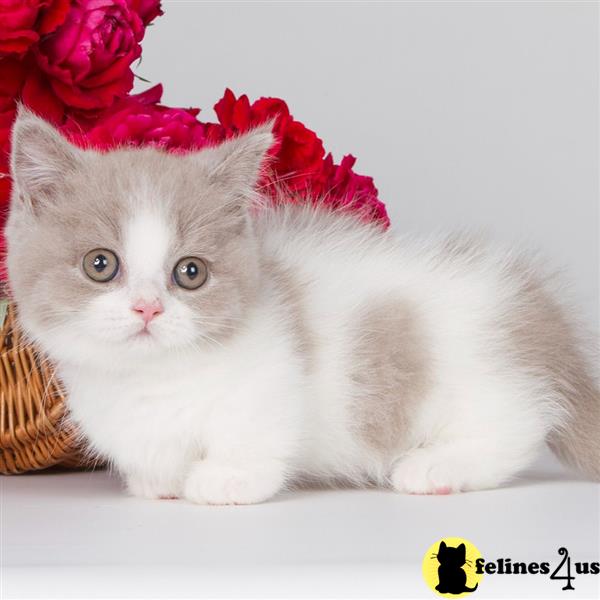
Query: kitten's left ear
[[40, 156], [235, 164]]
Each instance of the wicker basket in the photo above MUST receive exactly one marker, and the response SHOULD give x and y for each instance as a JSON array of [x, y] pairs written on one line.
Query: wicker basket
[[34, 433]]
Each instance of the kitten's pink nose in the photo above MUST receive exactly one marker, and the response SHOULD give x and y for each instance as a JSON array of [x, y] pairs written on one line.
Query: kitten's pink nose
[[148, 310]]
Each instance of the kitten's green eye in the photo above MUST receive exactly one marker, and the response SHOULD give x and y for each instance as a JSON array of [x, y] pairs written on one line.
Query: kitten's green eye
[[190, 273], [101, 265]]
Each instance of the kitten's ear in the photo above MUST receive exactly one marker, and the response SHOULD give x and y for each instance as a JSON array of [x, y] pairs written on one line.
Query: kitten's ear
[[235, 165], [442, 545], [40, 156], [462, 549]]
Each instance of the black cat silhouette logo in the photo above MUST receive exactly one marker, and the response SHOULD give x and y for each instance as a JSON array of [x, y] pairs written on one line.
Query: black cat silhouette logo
[[452, 576], [449, 567]]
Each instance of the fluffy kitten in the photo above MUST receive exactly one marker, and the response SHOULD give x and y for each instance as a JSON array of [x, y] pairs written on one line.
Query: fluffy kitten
[[219, 352]]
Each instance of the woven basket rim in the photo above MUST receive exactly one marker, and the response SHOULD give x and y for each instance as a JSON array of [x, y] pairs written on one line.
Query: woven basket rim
[[35, 432]]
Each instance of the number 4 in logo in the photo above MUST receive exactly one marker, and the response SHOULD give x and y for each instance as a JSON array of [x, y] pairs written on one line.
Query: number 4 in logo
[[568, 577]]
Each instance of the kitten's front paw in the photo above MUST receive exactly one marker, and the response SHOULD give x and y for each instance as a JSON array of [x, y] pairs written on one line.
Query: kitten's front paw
[[211, 482], [144, 486]]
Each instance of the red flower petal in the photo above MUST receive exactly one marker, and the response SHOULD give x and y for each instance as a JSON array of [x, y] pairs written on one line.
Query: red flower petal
[[53, 16]]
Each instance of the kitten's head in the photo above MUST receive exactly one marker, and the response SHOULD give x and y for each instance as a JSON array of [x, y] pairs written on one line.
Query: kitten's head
[[124, 254]]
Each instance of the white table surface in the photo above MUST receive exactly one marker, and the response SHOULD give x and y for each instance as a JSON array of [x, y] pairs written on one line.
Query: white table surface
[[78, 535]]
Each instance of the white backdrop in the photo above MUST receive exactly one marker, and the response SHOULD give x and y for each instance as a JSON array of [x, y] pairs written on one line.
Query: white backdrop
[[467, 114]]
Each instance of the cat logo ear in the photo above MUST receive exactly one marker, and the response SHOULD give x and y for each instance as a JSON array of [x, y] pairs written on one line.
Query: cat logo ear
[[442, 545], [462, 548]]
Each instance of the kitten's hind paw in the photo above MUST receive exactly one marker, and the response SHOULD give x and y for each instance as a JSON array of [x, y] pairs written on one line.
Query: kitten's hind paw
[[447, 468], [212, 482], [423, 473]]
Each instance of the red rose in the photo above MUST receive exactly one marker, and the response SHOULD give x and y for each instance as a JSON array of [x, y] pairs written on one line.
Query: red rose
[[340, 187], [148, 10], [11, 82], [234, 115], [139, 120], [38, 95], [87, 60], [23, 21], [299, 152], [299, 171]]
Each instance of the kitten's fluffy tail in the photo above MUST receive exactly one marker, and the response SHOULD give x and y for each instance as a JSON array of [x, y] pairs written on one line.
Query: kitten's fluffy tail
[[577, 441]]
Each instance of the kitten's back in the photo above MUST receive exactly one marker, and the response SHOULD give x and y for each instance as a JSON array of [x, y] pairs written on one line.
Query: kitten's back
[[454, 287]]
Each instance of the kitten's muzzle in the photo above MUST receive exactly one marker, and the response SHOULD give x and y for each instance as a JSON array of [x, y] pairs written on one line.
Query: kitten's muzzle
[[148, 310]]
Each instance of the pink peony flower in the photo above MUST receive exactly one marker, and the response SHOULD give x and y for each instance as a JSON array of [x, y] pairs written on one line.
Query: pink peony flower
[[23, 21], [139, 120], [87, 60], [148, 10]]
